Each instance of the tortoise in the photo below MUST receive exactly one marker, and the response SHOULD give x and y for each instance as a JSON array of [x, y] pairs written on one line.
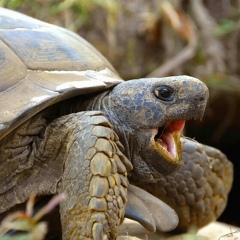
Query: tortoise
[[70, 124]]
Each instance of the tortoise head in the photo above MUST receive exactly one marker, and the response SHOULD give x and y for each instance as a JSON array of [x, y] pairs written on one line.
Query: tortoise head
[[149, 116]]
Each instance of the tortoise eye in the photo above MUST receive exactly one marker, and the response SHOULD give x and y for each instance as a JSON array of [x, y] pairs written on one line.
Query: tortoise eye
[[164, 93]]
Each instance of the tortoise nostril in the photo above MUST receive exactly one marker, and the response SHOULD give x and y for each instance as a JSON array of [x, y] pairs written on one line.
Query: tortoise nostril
[[202, 99]]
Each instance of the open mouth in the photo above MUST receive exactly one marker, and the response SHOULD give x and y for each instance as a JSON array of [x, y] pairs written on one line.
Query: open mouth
[[167, 140]]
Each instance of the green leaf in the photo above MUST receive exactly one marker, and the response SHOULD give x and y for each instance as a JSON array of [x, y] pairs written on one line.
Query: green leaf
[[225, 27]]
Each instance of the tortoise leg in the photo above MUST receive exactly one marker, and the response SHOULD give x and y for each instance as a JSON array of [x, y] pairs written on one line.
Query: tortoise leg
[[94, 177], [198, 191]]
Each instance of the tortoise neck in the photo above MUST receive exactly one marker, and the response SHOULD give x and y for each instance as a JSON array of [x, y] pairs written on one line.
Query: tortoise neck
[[110, 112], [97, 102], [91, 102], [94, 103]]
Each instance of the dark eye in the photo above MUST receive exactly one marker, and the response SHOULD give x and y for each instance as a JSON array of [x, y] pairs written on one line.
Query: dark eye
[[164, 93]]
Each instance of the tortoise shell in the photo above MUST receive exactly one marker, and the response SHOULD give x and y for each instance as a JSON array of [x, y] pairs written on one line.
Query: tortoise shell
[[42, 64]]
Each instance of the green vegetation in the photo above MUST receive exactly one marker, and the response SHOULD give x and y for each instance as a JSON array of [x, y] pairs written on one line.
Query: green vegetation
[[28, 224]]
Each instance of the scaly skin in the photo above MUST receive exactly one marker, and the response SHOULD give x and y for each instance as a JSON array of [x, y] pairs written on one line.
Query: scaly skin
[[197, 191], [80, 155], [94, 179]]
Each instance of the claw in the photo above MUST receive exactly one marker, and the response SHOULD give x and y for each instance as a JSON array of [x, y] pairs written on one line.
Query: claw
[[149, 211], [97, 231]]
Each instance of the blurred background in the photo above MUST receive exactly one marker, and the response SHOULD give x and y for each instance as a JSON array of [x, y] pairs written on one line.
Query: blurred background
[[161, 38]]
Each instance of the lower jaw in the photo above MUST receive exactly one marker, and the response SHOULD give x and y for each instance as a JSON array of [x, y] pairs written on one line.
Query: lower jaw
[[159, 164]]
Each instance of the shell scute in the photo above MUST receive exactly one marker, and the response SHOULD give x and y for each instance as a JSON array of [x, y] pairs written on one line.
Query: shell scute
[[41, 64]]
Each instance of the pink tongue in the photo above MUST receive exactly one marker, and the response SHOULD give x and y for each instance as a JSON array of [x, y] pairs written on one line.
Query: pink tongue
[[176, 125], [168, 143], [164, 145], [167, 137]]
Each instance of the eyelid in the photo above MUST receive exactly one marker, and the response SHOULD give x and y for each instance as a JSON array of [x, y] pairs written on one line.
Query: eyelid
[[160, 95]]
